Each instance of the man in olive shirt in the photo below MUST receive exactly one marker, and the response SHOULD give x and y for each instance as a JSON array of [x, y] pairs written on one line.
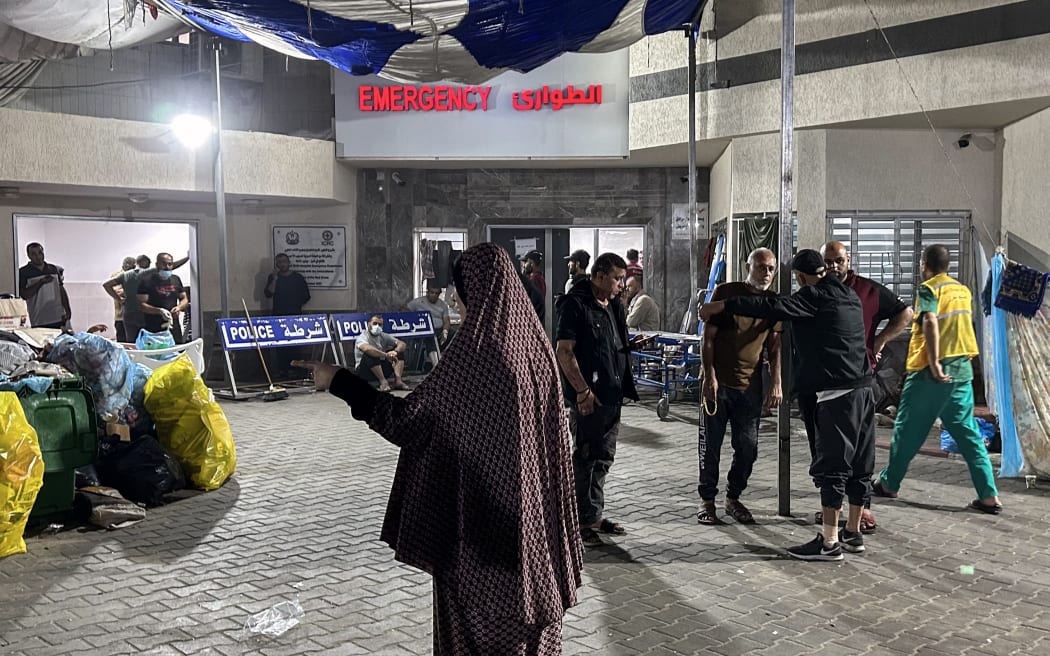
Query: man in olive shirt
[[733, 347]]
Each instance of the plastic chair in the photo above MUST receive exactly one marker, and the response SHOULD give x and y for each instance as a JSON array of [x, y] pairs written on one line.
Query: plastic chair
[[194, 349]]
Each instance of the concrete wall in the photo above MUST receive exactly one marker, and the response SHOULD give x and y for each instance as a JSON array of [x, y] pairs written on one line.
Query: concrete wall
[[1026, 181], [62, 149], [953, 78], [908, 170], [865, 170], [479, 198]]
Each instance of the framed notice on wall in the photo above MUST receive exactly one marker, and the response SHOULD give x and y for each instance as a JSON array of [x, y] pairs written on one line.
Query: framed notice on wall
[[680, 221], [318, 253]]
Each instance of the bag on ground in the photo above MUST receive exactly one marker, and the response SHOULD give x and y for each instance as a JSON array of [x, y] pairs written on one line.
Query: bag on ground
[[191, 424], [21, 473]]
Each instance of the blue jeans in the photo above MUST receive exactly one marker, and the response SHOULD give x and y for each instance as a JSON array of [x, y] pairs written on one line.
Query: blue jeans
[[740, 410]]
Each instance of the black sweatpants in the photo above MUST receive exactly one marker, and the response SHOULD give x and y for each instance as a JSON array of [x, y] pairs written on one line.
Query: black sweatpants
[[844, 448], [741, 410]]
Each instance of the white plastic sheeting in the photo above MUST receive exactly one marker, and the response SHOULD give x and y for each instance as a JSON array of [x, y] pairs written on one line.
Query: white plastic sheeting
[[49, 29]]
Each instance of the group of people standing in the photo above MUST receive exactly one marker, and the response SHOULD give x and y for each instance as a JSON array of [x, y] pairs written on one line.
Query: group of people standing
[[494, 503], [836, 316]]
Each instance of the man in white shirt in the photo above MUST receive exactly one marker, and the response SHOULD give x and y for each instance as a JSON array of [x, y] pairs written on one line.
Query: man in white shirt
[[439, 316], [643, 314], [381, 354]]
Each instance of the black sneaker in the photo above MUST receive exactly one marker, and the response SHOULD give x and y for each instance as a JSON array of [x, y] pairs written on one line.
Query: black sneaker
[[851, 542], [815, 550]]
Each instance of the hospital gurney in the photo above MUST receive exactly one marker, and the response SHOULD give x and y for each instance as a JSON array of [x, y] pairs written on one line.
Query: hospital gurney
[[671, 364]]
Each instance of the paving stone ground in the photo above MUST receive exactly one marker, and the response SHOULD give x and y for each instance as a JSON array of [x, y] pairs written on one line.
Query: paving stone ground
[[301, 518]]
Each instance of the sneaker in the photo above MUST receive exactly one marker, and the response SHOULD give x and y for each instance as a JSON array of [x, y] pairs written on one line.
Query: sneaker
[[815, 550], [850, 541], [590, 537], [878, 490]]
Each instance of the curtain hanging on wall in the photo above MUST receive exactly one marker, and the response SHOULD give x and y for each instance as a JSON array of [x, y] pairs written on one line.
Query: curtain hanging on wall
[[16, 78], [757, 233]]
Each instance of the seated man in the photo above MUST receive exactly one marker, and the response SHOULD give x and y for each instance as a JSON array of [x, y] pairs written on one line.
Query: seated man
[[380, 355], [439, 315]]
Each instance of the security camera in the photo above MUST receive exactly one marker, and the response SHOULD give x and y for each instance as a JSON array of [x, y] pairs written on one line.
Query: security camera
[[964, 141], [398, 180], [683, 179]]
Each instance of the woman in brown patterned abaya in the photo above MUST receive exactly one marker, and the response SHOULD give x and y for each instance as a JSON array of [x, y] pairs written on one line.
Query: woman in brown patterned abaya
[[483, 496]]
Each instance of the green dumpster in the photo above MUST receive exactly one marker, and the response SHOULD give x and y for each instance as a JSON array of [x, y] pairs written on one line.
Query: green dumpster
[[64, 419]]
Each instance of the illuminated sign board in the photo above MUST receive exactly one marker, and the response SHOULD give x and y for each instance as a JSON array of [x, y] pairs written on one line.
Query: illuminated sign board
[[449, 98]]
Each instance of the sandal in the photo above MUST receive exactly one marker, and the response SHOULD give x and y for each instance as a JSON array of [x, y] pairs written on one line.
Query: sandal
[[612, 528], [739, 512], [589, 538], [985, 508], [401, 386], [868, 525], [707, 515]]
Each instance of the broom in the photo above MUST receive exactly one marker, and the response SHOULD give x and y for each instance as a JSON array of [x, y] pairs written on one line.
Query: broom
[[275, 393]]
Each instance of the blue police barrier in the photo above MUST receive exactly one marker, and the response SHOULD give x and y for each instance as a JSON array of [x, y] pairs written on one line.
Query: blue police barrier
[[306, 330], [403, 325]]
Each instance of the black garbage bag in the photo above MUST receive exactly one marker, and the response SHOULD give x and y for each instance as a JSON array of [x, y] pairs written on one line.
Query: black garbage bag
[[141, 470], [86, 476]]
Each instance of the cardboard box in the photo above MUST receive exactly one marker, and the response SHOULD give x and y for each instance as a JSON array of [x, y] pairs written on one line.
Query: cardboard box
[[120, 430]]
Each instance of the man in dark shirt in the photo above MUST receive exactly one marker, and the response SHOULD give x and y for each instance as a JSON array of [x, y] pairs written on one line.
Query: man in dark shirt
[[593, 350], [829, 340], [532, 267], [880, 304], [42, 285], [163, 299], [287, 288], [290, 293], [733, 350]]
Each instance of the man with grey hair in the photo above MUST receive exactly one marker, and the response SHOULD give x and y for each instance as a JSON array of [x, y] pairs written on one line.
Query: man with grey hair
[[732, 391]]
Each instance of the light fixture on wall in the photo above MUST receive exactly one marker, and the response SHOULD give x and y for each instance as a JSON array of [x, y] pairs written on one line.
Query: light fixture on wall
[[138, 198], [252, 202], [191, 130], [9, 192]]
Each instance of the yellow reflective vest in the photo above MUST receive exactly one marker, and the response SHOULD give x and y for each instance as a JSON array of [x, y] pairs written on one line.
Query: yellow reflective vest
[[954, 321]]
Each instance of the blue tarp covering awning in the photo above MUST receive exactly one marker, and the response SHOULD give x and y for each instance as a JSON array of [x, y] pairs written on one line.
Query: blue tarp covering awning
[[425, 40]]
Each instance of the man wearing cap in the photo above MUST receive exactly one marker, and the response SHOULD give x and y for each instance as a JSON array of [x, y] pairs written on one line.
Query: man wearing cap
[[880, 304], [833, 365], [532, 267], [578, 262]]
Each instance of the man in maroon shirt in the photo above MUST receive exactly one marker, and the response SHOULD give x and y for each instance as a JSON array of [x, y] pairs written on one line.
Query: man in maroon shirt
[[880, 304]]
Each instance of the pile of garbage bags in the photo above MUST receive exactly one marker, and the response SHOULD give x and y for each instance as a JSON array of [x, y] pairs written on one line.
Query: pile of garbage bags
[[159, 431]]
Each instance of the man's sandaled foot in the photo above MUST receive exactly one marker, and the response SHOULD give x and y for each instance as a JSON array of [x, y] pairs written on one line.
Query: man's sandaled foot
[[611, 527], [739, 512], [880, 491], [991, 509], [868, 525], [384, 388], [708, 514], [590, 538], [401, 386]]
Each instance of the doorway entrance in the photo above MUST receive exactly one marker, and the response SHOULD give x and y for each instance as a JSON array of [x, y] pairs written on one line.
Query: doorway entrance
[[90, 251], [555, 244]]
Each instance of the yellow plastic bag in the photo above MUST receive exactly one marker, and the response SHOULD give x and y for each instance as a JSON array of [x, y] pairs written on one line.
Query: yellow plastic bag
[[190, 424], [21, 473]]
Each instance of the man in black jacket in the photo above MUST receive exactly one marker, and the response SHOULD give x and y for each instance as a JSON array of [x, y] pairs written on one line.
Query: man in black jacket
[[833, 364], [593, 352]]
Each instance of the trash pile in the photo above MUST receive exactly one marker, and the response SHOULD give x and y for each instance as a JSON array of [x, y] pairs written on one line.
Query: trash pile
[[87, 434]]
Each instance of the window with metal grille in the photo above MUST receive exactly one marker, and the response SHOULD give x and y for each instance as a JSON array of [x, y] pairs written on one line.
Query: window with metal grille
[[887, 246]]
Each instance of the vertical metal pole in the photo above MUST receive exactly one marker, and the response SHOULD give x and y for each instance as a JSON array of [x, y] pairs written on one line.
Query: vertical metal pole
[[220, 194], [694, 253], [787, 144]]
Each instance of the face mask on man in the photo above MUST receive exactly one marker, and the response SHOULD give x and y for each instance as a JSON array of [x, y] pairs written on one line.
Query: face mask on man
[[375, 330], [165, 274]]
